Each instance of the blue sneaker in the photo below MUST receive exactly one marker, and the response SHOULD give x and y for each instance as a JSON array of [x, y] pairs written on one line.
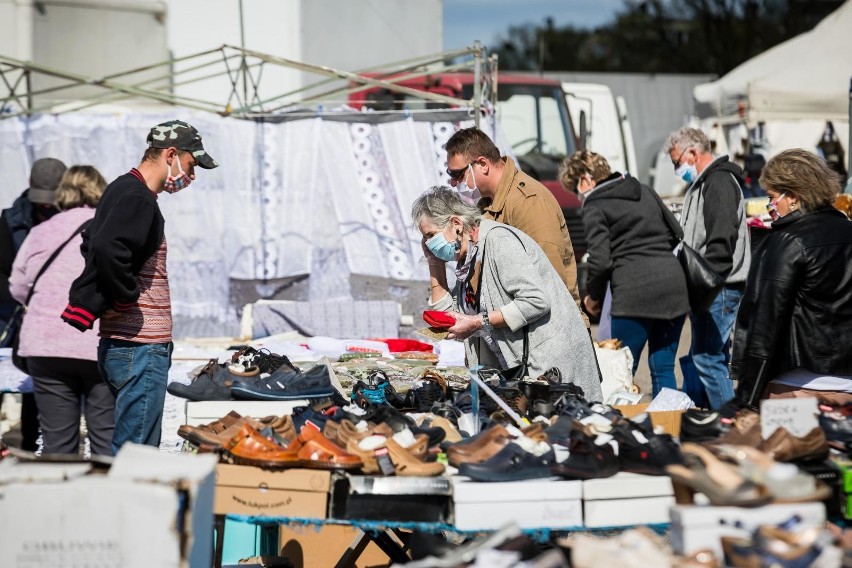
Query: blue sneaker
[[287, 385]]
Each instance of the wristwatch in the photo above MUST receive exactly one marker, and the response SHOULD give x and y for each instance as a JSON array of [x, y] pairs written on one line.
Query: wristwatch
[[486, 325]]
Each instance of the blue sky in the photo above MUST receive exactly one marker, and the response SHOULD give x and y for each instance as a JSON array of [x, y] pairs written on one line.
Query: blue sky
[[485, 20]]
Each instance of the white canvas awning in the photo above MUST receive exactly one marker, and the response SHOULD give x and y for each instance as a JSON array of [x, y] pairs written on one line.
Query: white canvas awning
[[805, 77]]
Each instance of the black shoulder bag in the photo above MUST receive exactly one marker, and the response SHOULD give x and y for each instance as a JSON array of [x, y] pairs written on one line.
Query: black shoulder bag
[[702, 282], [12, 332]]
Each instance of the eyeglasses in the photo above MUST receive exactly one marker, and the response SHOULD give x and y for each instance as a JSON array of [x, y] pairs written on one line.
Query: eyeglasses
[[457, 175], [676, 163], [772, 206]]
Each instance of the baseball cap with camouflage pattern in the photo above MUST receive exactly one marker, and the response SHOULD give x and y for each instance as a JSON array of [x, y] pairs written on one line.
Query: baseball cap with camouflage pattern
[[183, 136]]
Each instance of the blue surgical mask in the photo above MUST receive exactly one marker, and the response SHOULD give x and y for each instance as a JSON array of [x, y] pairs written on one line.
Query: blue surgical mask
[[687, 172], [442, 248]]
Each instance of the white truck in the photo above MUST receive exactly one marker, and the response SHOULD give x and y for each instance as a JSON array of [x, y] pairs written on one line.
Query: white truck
[[603, 124]]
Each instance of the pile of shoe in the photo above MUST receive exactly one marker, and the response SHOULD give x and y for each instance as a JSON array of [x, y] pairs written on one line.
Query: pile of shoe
[[272, 442], [727, 460], [586, 441], [790, 544], [379, 441], [255, 375]]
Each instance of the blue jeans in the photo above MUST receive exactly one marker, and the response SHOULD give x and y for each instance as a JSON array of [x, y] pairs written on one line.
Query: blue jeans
[[711, 346], [137, 373], [662, 337]]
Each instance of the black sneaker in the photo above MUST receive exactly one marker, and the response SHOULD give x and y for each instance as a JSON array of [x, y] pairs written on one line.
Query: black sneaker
[[512, 463], [640, 453], [702, 425], [287, 385], [587, 459], [211, 383]]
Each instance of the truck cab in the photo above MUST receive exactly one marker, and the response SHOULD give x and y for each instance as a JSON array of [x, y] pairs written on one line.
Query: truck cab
[[532, 113]]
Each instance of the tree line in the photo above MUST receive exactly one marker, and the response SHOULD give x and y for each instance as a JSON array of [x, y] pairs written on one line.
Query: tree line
[[663, 36]]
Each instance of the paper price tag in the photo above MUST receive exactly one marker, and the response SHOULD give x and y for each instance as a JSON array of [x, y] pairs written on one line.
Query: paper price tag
[[796, 415]]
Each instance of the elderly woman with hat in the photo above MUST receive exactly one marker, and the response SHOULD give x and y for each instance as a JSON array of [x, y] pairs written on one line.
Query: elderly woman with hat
[[506, 293]]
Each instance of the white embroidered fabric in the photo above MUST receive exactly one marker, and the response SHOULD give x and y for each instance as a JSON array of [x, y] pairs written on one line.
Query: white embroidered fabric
[[319, 197]]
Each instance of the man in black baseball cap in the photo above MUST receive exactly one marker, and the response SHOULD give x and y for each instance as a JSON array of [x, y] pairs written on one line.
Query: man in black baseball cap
[[125, 282], [34, 205], [44, 179]]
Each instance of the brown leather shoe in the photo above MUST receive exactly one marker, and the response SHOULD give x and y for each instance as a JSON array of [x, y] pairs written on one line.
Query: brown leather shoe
[[406, 464], [745, 431], [248, 447], [200, 435], [221, 439], [489, 443], [318, 452], [348, 431], [783, 446], [473, 445]]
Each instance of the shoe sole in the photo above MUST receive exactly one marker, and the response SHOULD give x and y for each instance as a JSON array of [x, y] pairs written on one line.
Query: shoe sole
[[255, 395], [237, 460], [193, 398]]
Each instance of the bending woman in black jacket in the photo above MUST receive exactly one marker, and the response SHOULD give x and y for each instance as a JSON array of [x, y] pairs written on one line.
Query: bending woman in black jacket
[[630, 247], [794, 327]]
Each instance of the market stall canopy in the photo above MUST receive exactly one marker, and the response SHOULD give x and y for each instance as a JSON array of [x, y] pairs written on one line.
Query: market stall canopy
[[805, 77]]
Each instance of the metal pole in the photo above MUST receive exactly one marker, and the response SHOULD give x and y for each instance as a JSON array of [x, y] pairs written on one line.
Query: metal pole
[[477, 77], [243, 61], [494, 94]]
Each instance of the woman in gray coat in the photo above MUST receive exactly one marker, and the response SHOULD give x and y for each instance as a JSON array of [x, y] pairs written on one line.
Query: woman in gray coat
[[504, 283]]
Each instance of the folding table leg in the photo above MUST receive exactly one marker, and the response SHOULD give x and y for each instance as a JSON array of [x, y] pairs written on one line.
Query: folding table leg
[[219, 527], [353, 553]]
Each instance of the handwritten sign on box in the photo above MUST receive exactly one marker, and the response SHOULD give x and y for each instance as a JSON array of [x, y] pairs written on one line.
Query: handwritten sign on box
[[797, 415]]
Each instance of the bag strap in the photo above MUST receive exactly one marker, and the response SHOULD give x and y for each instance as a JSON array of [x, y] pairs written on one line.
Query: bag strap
[[479, 292], [53, 256], [668, 217]]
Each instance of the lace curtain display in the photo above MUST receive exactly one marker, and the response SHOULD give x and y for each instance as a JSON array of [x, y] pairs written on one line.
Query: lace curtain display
[[323, 197]]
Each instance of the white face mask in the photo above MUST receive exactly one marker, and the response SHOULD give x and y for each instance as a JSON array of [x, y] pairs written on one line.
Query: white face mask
[[470, 195]]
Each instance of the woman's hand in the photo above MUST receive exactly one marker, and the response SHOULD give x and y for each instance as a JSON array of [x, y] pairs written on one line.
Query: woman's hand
[[465, 326], [593, 307], [430, 258]]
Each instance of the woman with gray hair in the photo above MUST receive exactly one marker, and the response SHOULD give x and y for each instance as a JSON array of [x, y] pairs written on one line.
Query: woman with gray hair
[[794, 326], [505, 289]]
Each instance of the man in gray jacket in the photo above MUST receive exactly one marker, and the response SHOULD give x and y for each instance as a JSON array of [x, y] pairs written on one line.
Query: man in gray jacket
[[714, 224]]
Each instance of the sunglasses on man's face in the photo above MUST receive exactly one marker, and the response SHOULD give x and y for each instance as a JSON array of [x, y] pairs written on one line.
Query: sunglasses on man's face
[[457, 175]]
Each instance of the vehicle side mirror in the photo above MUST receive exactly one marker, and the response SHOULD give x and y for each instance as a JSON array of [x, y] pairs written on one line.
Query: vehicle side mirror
[[584, 131]]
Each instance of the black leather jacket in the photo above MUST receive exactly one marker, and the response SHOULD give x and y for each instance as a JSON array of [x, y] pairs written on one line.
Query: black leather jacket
[[797, 306]]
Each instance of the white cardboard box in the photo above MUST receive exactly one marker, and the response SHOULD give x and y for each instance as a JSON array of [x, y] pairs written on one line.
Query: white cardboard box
[[151, 509], [627, 485], [205, 412], [627, 499], [537, 503], [627, 512], [702, 526]]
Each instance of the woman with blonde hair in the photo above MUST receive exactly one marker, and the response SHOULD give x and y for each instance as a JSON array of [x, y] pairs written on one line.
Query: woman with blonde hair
[[61, 360], [794, 325], [630, 250]]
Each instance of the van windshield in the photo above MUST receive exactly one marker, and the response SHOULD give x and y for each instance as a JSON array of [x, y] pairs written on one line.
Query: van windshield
[[535, 120]]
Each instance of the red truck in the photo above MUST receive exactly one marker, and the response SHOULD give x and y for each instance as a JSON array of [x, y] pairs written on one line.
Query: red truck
[[532, 113]]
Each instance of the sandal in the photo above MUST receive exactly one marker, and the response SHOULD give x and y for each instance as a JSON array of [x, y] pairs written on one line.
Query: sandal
[[249, 447], [318, 452], [702, 472], [786, 482]]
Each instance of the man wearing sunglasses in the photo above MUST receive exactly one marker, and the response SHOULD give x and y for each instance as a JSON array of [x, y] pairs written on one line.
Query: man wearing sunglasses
[[507, 195]]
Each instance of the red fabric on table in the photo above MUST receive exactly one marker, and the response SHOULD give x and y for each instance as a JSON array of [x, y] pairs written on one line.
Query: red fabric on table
[[396, 345]]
